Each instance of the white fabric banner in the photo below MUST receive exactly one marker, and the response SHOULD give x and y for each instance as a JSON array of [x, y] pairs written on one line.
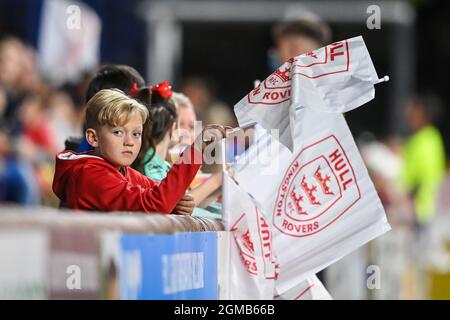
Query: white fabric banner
[[318, 200], [310, 289], [336, 78], [69, 40], [253, 266]]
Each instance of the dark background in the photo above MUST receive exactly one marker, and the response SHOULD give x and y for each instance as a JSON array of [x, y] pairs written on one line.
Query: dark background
[[232, 55]]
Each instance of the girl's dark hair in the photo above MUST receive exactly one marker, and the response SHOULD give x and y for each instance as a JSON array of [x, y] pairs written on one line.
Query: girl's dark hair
[[144, 96], [163, 115]]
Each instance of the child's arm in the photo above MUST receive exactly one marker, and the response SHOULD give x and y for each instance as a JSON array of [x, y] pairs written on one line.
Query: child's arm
[[101, 187], [211, 134], [185, 206], [201, 192]]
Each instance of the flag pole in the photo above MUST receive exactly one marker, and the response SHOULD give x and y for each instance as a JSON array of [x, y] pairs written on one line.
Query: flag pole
[[224, 155], [384, 79], [224, 171]]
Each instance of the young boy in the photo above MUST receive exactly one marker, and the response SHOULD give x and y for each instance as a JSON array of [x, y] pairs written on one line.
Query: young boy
[[103, 180], [109, 76]]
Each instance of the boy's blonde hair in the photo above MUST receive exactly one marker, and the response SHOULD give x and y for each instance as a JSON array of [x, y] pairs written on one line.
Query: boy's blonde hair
[[112, 107]]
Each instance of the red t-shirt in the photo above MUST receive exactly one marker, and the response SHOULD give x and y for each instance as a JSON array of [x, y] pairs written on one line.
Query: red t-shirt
[[88, 182]]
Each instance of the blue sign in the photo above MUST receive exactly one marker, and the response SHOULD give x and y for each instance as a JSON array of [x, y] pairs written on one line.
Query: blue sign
[[177, 266]]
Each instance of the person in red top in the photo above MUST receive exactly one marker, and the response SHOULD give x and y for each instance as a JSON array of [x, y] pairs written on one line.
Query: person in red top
[[104, 181]]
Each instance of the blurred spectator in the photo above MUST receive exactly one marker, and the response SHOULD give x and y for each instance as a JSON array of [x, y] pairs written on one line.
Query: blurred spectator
[[3, 102], [11, 54], [35, 126], [424, 154], [19, 78], [384, 164], [10, 72], [385, 169], [207, 107], [77, 93], [443, 197], [29, 78], [18, 182], [204, 185], [186, 118], [64, 118], [298, 36]]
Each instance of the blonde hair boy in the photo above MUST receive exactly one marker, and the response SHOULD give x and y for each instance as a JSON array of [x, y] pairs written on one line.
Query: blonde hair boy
[[114, 125], [104, 181]]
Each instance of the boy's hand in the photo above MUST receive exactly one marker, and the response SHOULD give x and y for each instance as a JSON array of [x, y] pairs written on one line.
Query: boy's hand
[[185, 206], [212, 134]]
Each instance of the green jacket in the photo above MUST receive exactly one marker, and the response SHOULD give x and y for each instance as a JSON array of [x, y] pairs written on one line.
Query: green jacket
[[424, 168], [157, 168]]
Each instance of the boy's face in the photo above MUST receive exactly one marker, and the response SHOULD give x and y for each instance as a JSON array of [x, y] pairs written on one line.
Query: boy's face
[[118, 145], [295, 45]]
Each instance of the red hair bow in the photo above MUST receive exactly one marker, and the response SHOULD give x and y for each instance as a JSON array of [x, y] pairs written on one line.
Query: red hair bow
[[134, 89], [164, 89]]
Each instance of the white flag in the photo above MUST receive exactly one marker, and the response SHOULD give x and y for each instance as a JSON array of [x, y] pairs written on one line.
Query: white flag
[[319, 200], [336, 78], [69, 40], [253, 267], [269, 104], [310, 289]]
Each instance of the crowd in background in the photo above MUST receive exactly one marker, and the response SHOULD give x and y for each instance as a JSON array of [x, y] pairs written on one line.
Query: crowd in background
[[36, 118]]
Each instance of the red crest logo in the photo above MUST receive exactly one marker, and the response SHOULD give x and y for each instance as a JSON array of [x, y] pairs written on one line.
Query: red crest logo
[[275, 90], [245, 245], [318, 188], [332, 59]]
